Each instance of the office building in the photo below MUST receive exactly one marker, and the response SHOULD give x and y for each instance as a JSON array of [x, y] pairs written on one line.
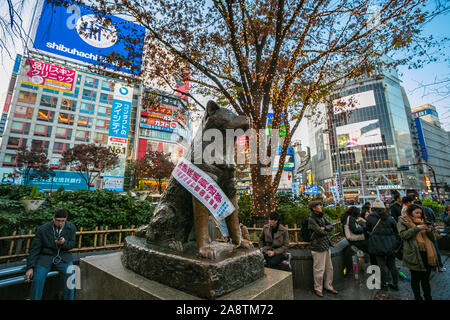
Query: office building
[[363, 139]]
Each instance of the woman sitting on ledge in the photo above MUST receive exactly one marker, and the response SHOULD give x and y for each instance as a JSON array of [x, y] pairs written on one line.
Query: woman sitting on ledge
[[274, 241]]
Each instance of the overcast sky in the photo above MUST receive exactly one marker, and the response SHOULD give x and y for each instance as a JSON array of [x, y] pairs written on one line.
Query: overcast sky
[[411, 79]]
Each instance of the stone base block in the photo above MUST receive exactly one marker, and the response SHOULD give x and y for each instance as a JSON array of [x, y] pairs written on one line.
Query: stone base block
[[105, 278], [187, 272]]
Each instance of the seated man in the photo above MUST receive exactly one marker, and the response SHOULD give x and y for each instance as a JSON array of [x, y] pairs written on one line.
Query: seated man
[[50, 250], [274, 241]]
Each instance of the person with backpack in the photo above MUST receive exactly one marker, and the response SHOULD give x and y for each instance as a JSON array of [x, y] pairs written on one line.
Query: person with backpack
[[321, 249], [419, 254], [396, 207], [383, 242]]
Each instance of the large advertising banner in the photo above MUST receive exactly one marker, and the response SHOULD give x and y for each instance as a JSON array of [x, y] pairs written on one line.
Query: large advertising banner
[[47, 76], [74, 31], [118, 135], [359, 134], [354, 101], [423, 146]]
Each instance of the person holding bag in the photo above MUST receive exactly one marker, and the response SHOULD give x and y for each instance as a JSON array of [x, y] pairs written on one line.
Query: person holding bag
[[383, 241], [354, 233], [419, 254]]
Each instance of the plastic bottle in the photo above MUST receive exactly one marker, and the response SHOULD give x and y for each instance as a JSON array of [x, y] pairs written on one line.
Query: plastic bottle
[[355, 266], [360, 255]]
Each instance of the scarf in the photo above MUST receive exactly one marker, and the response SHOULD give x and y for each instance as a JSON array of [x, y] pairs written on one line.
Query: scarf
[[424, 242]]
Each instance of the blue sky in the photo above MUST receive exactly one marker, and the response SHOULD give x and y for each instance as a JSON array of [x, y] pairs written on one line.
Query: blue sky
[[411, 79]]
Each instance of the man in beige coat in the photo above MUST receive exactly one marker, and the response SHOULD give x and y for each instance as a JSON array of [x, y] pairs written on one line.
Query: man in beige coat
[[274, 241], [321, 249]]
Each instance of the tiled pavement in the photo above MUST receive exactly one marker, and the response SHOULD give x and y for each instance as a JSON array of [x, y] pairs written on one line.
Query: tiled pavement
[[356, 289]]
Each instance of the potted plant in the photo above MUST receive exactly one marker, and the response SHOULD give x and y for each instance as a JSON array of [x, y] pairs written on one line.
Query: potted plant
[[34, 200]]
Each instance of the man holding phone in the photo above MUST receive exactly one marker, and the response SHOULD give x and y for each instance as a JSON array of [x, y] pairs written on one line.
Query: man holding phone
[[50, 251]]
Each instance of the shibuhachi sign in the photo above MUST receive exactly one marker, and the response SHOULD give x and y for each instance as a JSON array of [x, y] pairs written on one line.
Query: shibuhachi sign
[[201, 186], [48, 76]]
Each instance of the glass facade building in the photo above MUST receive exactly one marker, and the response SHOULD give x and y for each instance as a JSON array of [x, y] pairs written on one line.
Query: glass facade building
[[368, 141]]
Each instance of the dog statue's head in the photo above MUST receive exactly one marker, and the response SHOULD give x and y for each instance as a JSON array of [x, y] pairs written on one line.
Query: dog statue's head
[[222, 118]]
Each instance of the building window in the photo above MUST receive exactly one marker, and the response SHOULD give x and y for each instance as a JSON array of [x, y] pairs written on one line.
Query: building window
[[63, 133], [49, 101], [23, 112], [20, 127], [101, 138], [107, 85], [102, 124], [23, 85], [90, 95], [27, 97], [68, 105], [45, 115], [15, 143], [39, 145], [60, 147], [87, 108], [106, 98], [42, 130], [79, 79], [66, 118], [90, 82], [82, 135], [104, 111], [72, 95], [10, 160], [84, 121]]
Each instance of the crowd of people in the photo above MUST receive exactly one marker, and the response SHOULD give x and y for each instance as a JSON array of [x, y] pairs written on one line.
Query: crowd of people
[[404, 229]]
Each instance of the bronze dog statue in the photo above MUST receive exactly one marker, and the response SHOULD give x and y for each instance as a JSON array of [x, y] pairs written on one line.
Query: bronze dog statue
[[178, 213]]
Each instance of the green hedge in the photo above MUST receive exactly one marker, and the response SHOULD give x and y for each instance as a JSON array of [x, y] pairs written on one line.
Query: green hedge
[[292, 209], [87, 209]]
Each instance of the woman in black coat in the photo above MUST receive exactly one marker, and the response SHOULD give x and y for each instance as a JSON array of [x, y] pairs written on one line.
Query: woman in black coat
[[383, 242]]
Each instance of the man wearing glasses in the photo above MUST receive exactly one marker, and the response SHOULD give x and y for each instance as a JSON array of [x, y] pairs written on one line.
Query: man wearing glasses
[[50, 251]]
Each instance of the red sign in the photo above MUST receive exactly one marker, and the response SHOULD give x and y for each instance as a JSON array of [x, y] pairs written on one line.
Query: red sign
[[48, 76], [160, 110], [161, 123]]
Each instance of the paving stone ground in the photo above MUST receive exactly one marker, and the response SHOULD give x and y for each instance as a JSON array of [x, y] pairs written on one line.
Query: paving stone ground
[[356, 289]]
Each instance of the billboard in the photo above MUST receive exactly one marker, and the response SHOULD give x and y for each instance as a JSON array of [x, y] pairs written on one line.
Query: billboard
[[47, 76], [423, 146], [118, 135], [282, 125], [354, 101], [77, 33], [289, 162], [359, 134]]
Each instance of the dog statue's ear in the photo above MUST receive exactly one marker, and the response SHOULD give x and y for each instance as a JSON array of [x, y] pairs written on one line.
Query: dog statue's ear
[[211, 107]]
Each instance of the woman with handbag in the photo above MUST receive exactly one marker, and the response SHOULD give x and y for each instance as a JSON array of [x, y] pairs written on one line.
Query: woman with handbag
[[383, 241], [419, 254], [353, 231]]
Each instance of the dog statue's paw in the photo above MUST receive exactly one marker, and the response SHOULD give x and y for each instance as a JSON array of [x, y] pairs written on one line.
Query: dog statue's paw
[[246, 244], [207, 252], [176, 245]]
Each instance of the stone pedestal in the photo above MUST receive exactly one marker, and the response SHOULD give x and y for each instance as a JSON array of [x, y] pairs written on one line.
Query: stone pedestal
[[105, 278], [185, 271]]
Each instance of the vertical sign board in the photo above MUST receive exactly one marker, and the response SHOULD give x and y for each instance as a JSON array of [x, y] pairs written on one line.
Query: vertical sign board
[[8, 99], [118, 135], [423, 146]]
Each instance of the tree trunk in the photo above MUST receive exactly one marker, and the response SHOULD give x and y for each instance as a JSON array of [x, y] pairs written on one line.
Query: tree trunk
[[263, 196]]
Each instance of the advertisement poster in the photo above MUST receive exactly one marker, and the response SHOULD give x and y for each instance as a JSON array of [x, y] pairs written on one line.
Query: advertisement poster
[[354, 101], [47, 76], [359, 134], [201, 186], [75, 32], [118, 135]]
